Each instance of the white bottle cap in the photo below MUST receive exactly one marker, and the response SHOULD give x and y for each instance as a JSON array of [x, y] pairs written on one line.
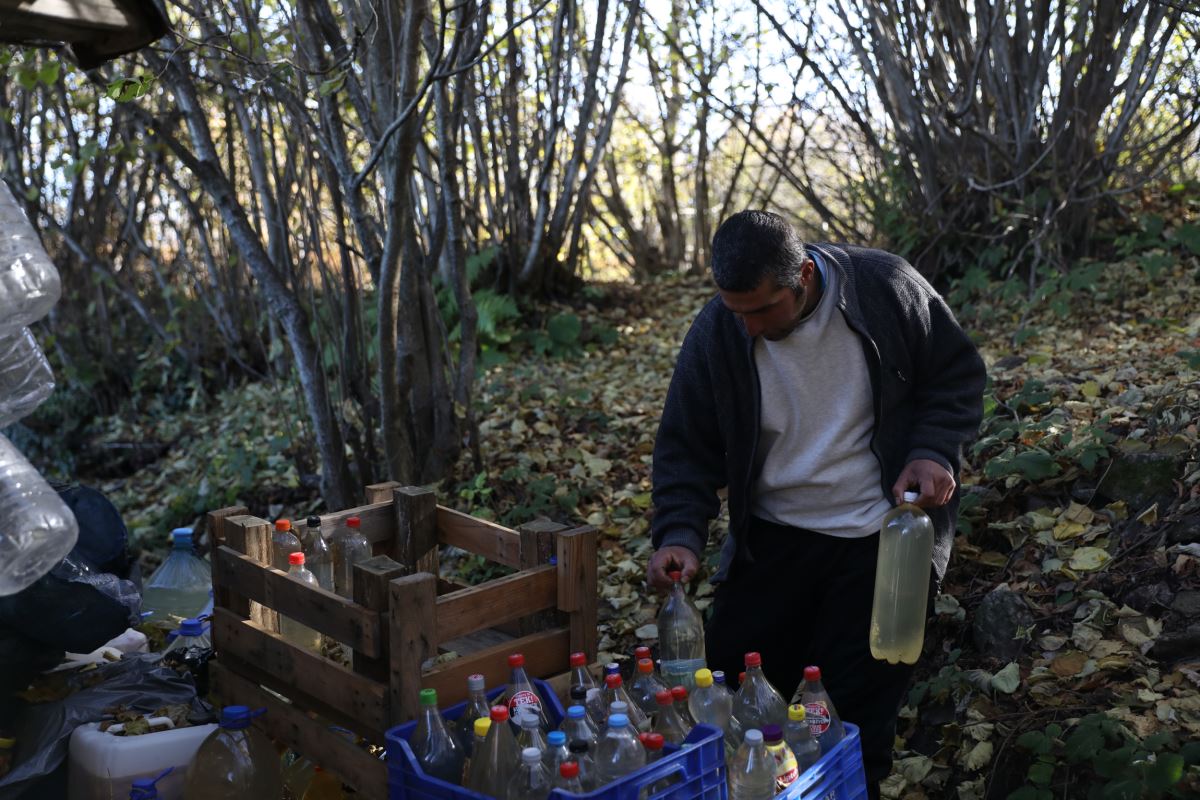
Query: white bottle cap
[[911, 497], [754, 736], [531, 755]]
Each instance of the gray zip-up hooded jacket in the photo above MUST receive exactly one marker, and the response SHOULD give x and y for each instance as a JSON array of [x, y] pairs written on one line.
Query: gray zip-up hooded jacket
[[927, 382]]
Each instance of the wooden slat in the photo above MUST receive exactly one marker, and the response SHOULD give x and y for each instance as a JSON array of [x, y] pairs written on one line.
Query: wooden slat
[[329, 613], [214, 523], [474, 642], [493, 542], [99, 13], [537, 546], [413, 638], [381, 492], [358, 697], [372, 591], [416, 528], [251, 536], [546, 653], [378, 522], [292, 726], [225, 589], [577, 586], [496, 601]]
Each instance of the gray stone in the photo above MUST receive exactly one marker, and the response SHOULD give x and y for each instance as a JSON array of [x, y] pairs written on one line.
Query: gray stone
[[1188, 604], [1177, 646], [1185, 531], [1149, 598], [999, 617], [1141, 479]]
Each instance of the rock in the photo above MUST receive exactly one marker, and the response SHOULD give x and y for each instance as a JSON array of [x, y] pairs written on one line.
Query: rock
[[1008, 362], [1177, 646], [1126, 374], [1187, 604], [1185, 531], [1149, 598], [1141, 479], [997, 620], [1131, 397]]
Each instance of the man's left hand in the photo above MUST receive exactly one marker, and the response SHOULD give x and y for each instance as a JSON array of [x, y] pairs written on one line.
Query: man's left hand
[[935, 481]]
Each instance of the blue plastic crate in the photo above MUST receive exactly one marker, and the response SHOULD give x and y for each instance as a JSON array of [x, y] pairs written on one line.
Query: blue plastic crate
[[838, 775]]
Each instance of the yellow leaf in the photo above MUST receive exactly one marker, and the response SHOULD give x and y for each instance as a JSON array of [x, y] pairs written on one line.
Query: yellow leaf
[[1086, 559], [1068, 530], [1079, 513], [1090, 389], [1068, 664]]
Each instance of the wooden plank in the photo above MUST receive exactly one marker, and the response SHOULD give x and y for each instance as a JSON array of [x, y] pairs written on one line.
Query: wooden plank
[[360, 698], [413, 638], [546, 653], [377, 520], [372, 591], [496, 601], [577, 586], [214, 523], [474, 642], [381, 492], [251, 536], [225, 589], [329, 613], [416, 528], [537, 546], [98, 13], [292, 726], [493, 542]]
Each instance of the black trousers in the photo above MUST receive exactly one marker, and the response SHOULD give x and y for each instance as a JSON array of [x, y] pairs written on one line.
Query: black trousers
[[806, 600]]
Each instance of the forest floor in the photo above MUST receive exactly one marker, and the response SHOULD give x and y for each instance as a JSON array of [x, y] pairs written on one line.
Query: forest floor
[[1064, 658]]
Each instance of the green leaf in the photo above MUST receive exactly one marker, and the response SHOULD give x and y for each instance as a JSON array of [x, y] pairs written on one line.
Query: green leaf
[[1008, 679], [332, 85], [1189, 237], [1035, 465], [1041, 773], [28, 78], [1083, 744], [1191, 753], [1128, 789], [49, 72], [1165, 772], [1155, 263], [564, 329], [1035, 741]]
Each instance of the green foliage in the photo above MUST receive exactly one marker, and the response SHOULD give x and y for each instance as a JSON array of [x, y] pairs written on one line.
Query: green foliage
[[1105, 758], [126, 89]]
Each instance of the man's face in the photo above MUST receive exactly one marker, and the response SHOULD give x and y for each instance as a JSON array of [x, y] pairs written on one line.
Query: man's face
[[768, 310]]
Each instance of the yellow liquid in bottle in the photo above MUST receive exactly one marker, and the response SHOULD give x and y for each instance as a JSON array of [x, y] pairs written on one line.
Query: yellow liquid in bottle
[[902, 585]]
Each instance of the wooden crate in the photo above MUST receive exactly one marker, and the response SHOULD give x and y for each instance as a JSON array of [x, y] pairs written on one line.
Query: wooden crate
[[402, 616]]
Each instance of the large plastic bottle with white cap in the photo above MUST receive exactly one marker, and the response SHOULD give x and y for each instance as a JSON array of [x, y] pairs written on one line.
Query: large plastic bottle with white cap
[[902, 583], [37, 530]]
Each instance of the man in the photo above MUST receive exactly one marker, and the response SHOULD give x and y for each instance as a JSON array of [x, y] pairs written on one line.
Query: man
[[819, 385]]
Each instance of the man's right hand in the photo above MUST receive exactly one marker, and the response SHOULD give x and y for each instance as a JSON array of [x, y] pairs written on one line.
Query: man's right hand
[[667, 560]]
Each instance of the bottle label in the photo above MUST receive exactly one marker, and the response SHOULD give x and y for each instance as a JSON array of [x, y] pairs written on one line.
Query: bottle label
[[684, 668], [524, 697], [818, 718], [786, 768]]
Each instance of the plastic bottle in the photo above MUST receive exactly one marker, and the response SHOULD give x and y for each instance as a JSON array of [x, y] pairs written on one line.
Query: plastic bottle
[[568, 778], [190, 652], [752, 770], [786, 769], [823, 721], [579, 672], [349, 547], [619, 752], [283, 544], [323, 786], [297, 772], [645, 686], [806, 749], [477, 708], [667, 721], [615, 692], [435, 749], [757, 703], [520, 692], [653, 742], [491, 768], [902, 583], [531, 781], [479, 732], [147, 788], [529, 730], [680, 696], [26, 379], [680, 636], [179, 588], [556, 751], [583, 754], [318, 558], [295, 632], [37, 530], [594, 703], [235, 762], [708, 703], [577, 725], [29, 283]]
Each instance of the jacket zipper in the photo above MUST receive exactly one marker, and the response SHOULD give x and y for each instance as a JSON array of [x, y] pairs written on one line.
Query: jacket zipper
[[876, 370]]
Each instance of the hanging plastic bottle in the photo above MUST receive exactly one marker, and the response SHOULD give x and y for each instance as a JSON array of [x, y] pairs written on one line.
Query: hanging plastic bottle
[[147, 788], [786, 769], [752, 770], [577, 725], [520, 692], [823, 721], [190, 652], [757, 703], [37, 530], [615, 692], [680, 636], [283, 544], [646, 686], [556, 751], [568, 778], [708, 703], [435, 749], [491, 768], [477, 708], [619, 751], [179, 588], [579, 672], [235, 762], [680, 696], [583, 754], [667, 721], [318, 557], [796, 733], [531, 781], [29, 282], [293, 631], [26, 380], [349, 547], [323, 786], [902, 583]]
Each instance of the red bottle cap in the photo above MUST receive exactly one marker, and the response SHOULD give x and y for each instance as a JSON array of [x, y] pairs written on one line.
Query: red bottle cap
[[741, 678], [295, 558], [654, 741], [675, 576], [642, 737], [679, 692], [753, 660], [353, 522], [664, 697], [569, 769], [612, 681], [283, 524], [812, 674], [645, 666], [517, 660], [578, 660], [641, 652], [499, 714]]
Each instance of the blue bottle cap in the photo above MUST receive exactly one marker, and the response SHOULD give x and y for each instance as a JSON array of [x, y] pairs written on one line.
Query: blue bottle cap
[[618, 721], [556, 738], [612, 668], [576, 712], [236, 718], [191, 627], [146, 788], [181, 537]]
